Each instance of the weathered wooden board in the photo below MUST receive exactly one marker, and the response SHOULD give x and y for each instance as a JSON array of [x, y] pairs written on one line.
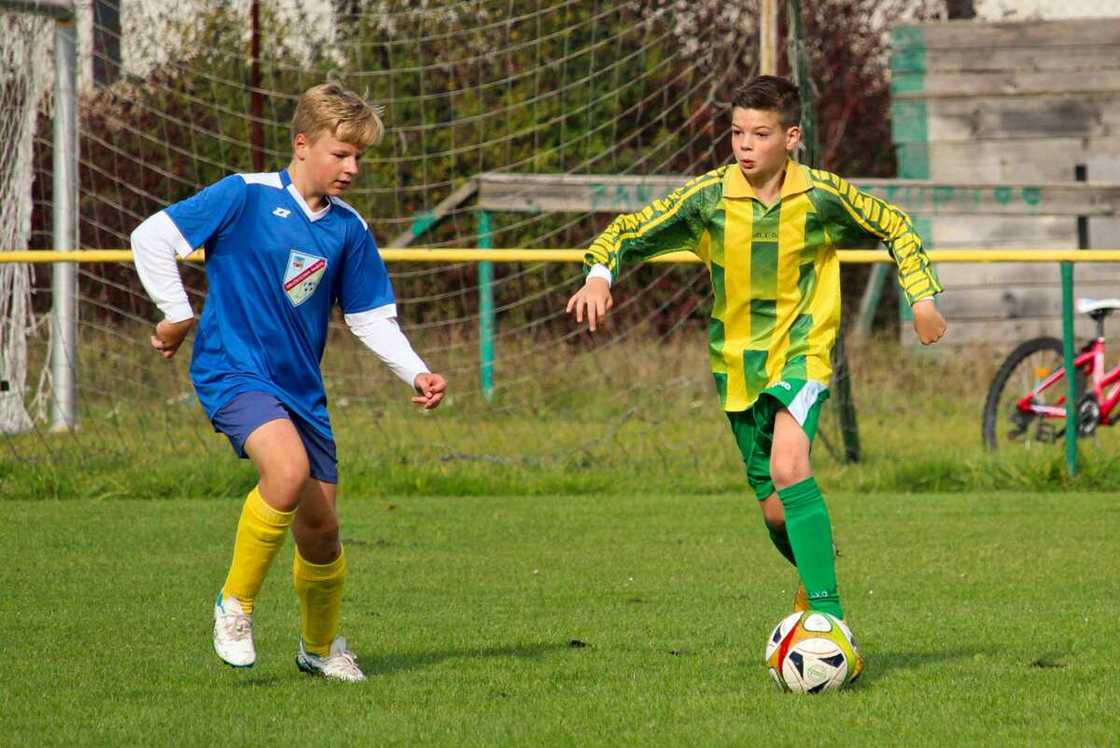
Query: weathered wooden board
[[1038, 35], [1011, 102], [986, 78], [1104, 233], [1071, 59], [1044, 232], [960, 275], [988, 118], [1104, 273], [1003, 302], [586, 193], [1026, 160], [1050, 232], [931, 199]]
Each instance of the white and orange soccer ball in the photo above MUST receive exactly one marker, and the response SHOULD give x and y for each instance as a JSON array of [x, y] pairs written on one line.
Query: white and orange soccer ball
[[811, 652]]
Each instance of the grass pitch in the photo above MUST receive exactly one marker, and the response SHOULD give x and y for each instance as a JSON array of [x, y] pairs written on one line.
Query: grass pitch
[[583, 619]]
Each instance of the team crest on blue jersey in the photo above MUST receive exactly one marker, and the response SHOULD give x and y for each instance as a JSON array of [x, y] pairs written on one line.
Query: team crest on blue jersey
[[303, 275]]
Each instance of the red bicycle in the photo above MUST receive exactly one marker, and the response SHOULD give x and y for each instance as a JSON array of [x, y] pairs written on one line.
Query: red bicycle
[[1026, 402]]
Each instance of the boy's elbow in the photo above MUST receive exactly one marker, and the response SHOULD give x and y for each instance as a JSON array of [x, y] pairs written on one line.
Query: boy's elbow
[[140, 233], [136, 242]]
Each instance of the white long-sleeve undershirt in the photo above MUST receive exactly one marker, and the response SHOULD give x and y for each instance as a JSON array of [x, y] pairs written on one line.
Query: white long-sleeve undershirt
[[378, 329], [156, 245], [599, 270]]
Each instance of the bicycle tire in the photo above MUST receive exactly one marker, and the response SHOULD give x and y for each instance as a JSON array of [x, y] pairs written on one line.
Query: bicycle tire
[[991, 415]]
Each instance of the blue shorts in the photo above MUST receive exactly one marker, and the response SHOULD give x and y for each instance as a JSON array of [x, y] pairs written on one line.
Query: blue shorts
[[247, 412]]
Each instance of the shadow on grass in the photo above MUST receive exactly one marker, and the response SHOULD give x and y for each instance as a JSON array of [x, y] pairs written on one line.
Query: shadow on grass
[[392, 663], [374, 666], [881, 664], [262, 681]]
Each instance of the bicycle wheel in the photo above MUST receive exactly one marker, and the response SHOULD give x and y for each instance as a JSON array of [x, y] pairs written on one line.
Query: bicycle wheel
[[1003, 424]]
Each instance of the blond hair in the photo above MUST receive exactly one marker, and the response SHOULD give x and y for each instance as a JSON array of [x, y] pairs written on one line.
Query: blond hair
[[330, 108]]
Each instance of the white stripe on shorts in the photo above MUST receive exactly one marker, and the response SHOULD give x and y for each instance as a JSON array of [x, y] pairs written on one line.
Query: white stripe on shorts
[[801, 404]]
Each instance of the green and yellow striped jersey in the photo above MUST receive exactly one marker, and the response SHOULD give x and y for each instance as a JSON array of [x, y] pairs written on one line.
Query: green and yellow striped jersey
[[775, 272]]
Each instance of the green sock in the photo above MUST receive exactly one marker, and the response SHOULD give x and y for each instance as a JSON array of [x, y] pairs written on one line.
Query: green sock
[[810, 534], [780, 539]]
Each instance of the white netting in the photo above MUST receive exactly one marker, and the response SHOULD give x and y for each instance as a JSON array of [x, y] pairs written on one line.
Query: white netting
[[544, 86], [25, 71]]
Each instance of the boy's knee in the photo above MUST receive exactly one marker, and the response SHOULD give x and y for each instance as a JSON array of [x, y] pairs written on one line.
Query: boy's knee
[[788, 471], [284, 480], [294, 473]]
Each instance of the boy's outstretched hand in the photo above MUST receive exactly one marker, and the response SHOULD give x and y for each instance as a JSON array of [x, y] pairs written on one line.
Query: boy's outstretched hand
[[594, 299], [430, 389], [928, 322], [170, 335]]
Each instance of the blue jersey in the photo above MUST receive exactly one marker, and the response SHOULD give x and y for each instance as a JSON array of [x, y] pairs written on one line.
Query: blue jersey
[[274, 271]]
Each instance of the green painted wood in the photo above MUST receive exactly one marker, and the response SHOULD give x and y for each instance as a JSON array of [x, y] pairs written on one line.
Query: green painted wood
[[909, 117], [485, 309], [1071, 378]]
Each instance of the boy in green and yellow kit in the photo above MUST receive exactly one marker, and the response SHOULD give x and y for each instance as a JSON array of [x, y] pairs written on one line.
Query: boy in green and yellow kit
[[768, 229]]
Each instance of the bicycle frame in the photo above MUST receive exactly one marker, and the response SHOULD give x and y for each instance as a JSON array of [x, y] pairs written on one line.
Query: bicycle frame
[[1092, 359]]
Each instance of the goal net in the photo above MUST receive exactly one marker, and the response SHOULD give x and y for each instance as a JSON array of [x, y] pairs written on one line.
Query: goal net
[[25, 71], [175, 97]]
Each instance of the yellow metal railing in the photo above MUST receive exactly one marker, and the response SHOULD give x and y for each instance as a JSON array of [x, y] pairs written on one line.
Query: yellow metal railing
[[1065, 257], [447, 254]]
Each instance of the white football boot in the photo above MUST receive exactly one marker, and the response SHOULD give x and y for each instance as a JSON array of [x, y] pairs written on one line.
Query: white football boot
[[233, 633], [340, 664]]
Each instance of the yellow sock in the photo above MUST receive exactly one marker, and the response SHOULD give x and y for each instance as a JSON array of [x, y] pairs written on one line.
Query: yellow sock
[[319, 587], [260, 533]]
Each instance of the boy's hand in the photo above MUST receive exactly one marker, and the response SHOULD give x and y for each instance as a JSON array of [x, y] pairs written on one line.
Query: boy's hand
[[928, 322], [431, 388], [170, 335], [595, 298]]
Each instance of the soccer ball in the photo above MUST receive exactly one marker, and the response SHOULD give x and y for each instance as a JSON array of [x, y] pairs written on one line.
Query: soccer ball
[[810, 652]]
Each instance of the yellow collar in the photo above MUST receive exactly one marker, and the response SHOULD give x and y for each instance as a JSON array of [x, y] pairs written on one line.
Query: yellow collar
[[795, 182]]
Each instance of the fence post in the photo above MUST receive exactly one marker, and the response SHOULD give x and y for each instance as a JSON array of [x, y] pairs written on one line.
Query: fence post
[[1080, 174], [1071, 375], [485, 310]]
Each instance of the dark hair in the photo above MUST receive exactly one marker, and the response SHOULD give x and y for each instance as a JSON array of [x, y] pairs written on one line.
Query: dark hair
[[771, 93]]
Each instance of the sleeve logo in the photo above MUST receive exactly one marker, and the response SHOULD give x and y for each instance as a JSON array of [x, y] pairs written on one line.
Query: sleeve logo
[[303, 275]]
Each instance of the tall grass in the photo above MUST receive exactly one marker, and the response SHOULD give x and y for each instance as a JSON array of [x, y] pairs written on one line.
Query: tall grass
[[629, 413]]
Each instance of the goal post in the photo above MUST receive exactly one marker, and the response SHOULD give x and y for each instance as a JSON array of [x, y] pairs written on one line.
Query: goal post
[[64, 309]]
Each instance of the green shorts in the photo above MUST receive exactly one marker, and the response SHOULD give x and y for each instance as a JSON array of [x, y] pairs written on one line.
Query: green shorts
[[753, 428]]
